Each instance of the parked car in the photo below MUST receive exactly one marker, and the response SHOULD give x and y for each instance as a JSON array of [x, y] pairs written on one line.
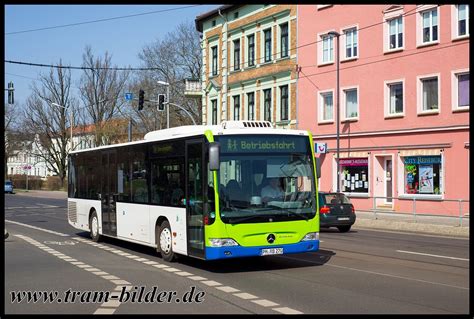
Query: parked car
[[8, 187], [336, 210]]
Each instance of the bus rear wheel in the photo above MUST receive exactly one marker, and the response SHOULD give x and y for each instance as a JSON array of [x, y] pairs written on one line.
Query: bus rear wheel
[[94, 227], [164, 242]]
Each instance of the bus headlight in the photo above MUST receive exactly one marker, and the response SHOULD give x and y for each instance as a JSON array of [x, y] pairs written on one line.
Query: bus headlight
[[222, 242], [311, 236]]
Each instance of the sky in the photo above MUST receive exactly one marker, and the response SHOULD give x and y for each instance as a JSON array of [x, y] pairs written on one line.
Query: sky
[[122, 38]]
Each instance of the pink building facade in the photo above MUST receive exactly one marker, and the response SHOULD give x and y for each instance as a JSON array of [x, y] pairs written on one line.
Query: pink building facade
[[403, 98]]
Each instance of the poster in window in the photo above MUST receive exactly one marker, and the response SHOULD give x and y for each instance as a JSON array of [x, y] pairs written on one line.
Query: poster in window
[[426, 179]]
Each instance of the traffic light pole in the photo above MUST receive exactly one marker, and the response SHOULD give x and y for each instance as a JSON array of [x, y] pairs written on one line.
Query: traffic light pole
[[168, 106]]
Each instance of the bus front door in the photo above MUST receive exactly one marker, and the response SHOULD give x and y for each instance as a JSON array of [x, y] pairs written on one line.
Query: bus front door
[[195, 201], [108, 194]]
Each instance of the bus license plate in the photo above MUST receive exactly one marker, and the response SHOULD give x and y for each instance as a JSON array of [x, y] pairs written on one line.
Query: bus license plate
[[343, 218], [272, 251]]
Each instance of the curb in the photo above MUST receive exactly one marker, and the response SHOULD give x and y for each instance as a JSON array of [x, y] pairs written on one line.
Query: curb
[[432, 229]]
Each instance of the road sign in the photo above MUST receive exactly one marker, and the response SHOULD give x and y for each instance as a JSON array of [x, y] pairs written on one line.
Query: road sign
[[128, 96], [321, 148]]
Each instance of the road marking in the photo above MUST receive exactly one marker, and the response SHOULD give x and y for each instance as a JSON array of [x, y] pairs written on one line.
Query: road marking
[[438, 256], [227, 289], [121, 283], [376, 273], [110, 305], [265, 303], [288, 311], [37, 228]]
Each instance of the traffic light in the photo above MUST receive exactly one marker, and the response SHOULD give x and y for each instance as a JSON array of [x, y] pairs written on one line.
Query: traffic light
[[141, 99], [161, 102], [11, 97]]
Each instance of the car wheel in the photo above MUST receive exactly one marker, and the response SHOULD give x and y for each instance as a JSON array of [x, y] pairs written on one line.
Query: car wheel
[[344, 229], [94, 227], [165, 242]]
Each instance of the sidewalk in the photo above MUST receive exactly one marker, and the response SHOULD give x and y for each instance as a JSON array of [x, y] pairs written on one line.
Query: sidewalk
[[435, 225]]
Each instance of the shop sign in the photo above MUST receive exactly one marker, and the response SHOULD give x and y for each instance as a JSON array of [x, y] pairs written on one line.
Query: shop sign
[[354, 162], [422, 160]]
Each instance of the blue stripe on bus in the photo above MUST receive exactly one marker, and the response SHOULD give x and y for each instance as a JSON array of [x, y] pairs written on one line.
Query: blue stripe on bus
[[239, 251]]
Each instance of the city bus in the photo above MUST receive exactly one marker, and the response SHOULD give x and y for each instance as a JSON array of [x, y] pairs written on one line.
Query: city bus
[[201, 191]]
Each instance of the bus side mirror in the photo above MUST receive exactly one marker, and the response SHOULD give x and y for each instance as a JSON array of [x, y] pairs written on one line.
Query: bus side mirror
[[214, 150], [318, 168]]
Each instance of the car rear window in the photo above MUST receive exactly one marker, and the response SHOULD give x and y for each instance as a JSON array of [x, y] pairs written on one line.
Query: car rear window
[[336, 199]]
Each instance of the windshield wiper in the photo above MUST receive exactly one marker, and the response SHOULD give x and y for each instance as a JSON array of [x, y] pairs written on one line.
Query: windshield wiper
[[291, 212], [246, 218]]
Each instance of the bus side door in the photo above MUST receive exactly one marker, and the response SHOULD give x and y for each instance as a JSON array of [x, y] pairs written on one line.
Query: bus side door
[[195, 197]]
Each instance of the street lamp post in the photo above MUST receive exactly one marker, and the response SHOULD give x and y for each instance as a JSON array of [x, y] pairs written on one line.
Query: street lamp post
[[337, 35], [71, 116], [167, 102]]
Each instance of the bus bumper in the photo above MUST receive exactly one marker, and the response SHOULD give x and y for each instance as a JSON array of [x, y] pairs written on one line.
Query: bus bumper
[[240, 251]]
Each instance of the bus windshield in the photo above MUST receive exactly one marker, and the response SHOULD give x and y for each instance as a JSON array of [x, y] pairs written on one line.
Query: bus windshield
[[265, 178]]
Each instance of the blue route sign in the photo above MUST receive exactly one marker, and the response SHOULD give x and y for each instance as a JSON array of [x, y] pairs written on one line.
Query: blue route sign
[[128, 96]]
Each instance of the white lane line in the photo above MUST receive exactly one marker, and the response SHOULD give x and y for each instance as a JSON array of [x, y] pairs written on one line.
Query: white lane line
[[38, 228], [245, 296], [265, 303], [287, 311], [227, 289], [377, 273], [430, 255], [111, 305], [211, 283]]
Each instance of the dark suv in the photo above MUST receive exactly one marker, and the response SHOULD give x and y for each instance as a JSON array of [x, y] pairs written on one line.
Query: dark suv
[[335, 210]]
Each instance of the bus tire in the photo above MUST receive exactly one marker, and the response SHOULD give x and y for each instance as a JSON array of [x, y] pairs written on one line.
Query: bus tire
[[165, 242], [94, 227]]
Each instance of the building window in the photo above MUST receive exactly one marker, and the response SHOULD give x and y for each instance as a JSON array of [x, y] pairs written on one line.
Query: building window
[[462, 19], [351, 42], [236, 15], [284, 102], [395, 98], [268, 44], [461, 91], [328, 48], [251, 49], [430, 26], [251, 105], [236, 107], [429, 94], [423, 174], [354, 175], [284, 40], [213, 23], [214, 60], [214, 112], [327, 106], [351, 103], [267, 105], [395, 33], [236, 55]]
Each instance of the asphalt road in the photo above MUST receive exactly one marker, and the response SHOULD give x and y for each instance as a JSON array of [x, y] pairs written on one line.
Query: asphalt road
[[360, 272]]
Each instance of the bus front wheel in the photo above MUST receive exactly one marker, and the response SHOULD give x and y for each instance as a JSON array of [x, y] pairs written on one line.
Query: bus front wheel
[[94, 227], [165, 242]]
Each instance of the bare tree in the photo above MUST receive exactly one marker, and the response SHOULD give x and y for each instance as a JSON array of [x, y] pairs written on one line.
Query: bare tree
[[175, 58], [102, 91], [49, 122], [13, 134]]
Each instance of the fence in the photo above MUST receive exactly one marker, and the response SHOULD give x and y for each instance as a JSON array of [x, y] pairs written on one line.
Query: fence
[[377, 209]]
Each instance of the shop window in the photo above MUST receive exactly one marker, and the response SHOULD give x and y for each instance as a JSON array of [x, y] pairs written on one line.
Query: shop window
[[354, 175], [422, 174]]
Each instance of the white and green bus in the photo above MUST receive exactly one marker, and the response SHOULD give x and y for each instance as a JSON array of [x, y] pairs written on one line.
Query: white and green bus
[[242, 188]]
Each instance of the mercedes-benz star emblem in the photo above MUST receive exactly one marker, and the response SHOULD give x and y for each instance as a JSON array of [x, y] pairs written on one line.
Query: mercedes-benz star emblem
[[271, 238]]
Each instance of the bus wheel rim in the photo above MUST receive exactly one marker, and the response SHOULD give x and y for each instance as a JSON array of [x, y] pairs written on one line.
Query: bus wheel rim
[[165, 241], [94, 226]]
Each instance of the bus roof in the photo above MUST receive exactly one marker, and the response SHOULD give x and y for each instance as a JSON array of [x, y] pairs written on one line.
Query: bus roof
[[225, 128]]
